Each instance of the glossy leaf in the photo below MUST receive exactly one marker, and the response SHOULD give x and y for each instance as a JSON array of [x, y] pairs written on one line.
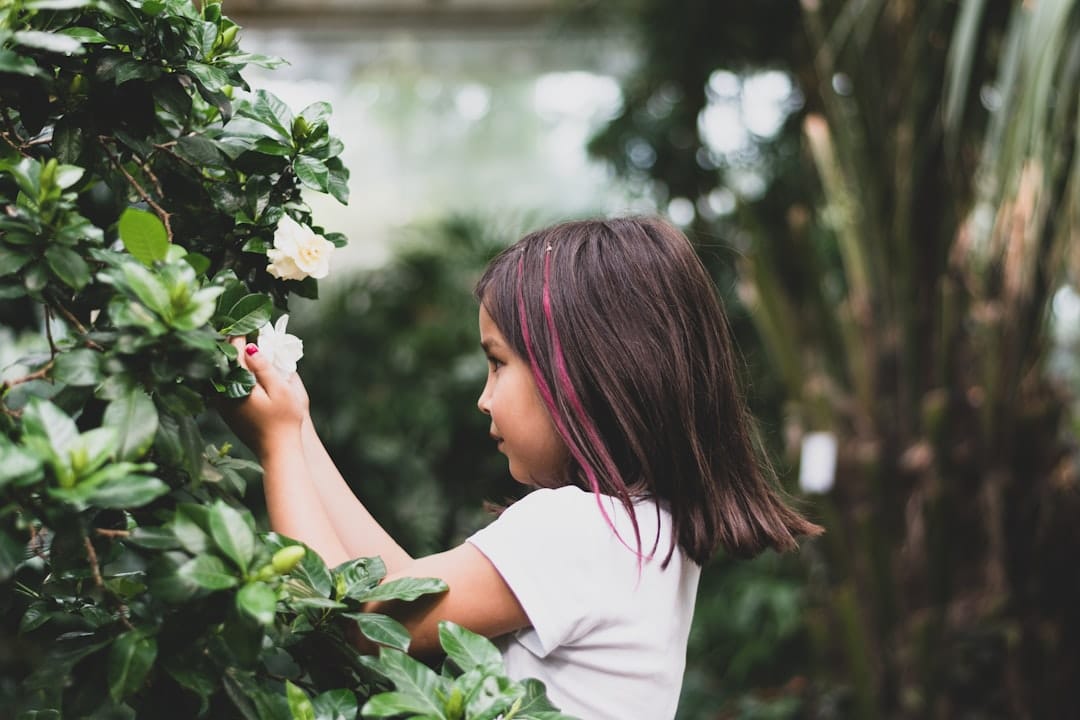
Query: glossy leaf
[[299, 703], [335, 705], [135, 420], [467, 649], [130, 659], [143, 235], [69, 266], [129, 492], [403, 589], [382, 630], [232, 534], [209, 572], [258, 601], [45, 420], [80, 367]]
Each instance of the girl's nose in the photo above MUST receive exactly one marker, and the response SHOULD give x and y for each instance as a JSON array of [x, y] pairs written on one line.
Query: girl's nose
[[483, 403]]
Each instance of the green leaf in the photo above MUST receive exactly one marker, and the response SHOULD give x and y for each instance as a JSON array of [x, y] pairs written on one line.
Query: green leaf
[[154, 538], [270, 146], [11, 262], [50, 42], [130, 659], [211, 78], [12, 553], [69, 266], [199, 309], [68, 175], [232, 534], [144, 236], [57, 5], [200, 151], [272, 112], [403, 589], [313, 173], [44, 420], [299, 704], [92, 449], [81, 367], [189, 525], [198, 262], [258, 601], [467, 649], [130, 492], [395, 704], [18, 465], [208, 571], [382, 630], [67, 140], [248, 315], [413, 681], [85, 35], [335, 705], [237, 383], [135, 420], [148, 289], [316, 112], [339, 185], [357, 576]]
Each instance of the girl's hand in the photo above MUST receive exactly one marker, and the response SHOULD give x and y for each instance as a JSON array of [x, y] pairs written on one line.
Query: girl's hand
[[275, 409]]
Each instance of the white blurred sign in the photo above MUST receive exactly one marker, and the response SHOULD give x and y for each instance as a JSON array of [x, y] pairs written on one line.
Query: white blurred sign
[[817, 462]]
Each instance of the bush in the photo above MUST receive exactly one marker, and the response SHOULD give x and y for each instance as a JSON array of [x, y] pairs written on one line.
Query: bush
[[142, 184]]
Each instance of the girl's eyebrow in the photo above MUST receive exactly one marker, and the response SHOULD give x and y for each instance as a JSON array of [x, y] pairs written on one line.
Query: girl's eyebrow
[[487, 345]]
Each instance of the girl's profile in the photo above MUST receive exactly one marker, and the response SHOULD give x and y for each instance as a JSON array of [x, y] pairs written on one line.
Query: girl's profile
[[613, 393]]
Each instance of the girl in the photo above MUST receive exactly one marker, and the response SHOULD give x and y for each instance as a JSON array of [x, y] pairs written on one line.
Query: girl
[[612, 393]]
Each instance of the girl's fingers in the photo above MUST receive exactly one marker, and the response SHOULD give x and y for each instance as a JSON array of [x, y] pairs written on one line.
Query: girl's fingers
[[264, 372]]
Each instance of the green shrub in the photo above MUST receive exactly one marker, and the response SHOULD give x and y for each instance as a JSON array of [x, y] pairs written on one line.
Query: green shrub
[[141, 184]]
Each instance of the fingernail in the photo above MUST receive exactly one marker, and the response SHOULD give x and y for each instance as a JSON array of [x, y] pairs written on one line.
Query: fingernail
[[251, 348]]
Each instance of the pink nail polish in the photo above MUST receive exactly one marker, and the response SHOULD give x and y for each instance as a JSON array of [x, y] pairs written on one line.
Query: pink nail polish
[[251, 348]]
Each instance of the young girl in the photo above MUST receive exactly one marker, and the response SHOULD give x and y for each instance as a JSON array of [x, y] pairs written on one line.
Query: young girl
[[612, 393]]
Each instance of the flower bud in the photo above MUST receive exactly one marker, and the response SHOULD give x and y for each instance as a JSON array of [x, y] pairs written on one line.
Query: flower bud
[[228, 37], [287, 558], [300, 128]]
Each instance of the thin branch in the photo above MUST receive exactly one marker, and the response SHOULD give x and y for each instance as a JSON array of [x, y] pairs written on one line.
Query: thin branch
[[145, 165], [39, 374], [37, 543], [164, 216], [106, 532], [48, 332], [70, 317], [95, 569], [13, 133], [74, 321]]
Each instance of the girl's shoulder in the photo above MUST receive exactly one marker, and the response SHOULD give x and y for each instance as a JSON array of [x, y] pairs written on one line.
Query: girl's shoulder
[[573, 514]]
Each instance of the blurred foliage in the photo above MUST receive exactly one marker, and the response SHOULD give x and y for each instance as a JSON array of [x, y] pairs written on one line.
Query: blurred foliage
[[919, 209]]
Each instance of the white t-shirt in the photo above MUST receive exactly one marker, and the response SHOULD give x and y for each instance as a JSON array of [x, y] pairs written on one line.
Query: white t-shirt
[[607, 642]]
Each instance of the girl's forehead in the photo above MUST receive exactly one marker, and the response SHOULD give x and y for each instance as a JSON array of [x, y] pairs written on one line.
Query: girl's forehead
[[489, 331]]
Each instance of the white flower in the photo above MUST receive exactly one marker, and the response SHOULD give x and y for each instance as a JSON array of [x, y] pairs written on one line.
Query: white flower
[[280, 348], [298, 252]]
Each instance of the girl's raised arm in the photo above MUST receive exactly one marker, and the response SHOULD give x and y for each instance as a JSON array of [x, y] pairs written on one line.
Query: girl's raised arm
[[359, 531], [307, 499]]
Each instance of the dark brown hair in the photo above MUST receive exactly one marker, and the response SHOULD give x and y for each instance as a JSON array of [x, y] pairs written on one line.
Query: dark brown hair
[[631, 351]]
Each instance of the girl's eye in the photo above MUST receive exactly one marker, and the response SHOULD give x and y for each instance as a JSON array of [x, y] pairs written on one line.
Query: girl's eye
[[494, 363]]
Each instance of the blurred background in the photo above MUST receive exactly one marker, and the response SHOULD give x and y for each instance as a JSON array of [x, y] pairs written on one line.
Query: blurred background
[[888, 196]]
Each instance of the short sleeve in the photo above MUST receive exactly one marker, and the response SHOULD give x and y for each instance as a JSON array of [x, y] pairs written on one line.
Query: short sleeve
[[540, 546]]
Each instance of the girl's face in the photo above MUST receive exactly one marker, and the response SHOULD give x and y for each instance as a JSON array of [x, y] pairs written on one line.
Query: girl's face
[[520, 423]]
